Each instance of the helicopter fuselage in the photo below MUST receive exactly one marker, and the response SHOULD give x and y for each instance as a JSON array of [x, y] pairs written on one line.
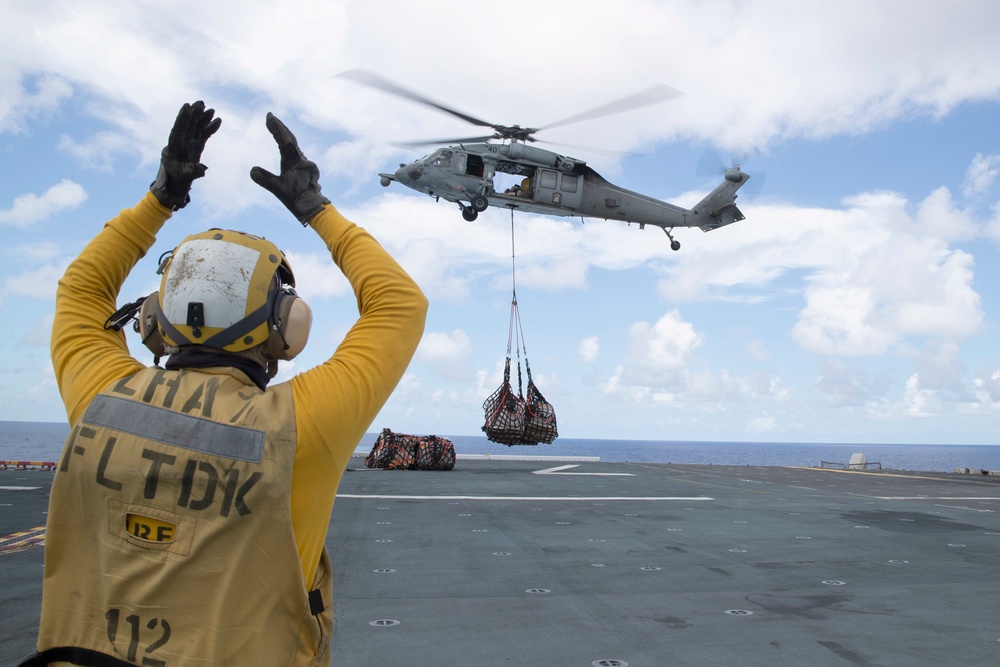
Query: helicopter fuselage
[[554, 184]]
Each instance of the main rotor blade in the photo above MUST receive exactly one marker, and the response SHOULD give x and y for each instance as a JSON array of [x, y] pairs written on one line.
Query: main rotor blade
[[654, 95], [429, 142], [585, 149], [368, 79]]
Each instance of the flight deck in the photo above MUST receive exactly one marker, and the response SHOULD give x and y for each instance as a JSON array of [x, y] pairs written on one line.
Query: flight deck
[[578, 563]]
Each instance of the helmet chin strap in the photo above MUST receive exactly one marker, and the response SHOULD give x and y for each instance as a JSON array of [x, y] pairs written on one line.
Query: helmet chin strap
[[227, 335]]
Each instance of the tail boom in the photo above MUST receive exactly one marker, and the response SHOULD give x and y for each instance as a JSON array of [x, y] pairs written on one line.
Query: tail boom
[[718, 208]]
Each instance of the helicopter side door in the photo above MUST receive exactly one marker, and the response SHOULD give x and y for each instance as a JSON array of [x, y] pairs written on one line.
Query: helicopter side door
[[479, 174], [558, 188]]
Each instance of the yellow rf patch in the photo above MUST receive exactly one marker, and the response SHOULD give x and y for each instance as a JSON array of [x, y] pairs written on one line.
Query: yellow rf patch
[[150, 529]]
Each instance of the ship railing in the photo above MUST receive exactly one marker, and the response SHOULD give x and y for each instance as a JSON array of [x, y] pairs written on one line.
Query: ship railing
[[27, 465], [850, 466]]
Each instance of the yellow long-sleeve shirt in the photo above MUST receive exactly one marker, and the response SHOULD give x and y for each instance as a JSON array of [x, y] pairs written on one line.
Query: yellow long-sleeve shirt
[[335, 402]]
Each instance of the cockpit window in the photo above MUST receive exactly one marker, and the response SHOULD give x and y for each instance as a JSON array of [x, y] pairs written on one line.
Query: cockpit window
[[441, 158]]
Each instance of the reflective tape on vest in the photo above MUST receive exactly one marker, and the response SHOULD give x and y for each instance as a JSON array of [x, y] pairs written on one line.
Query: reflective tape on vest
[[173, 428]]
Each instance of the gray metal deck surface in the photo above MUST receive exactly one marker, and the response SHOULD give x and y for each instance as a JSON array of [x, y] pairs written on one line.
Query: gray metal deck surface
[[608, 564]]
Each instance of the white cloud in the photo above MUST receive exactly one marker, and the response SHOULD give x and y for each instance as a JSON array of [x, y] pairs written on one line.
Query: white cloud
[[616, 386], [981, 175], [286, 371], [356, 160], [589, 349], [40, 335], [758, 350], [874, 273], [98, 151], [18, 104], [837, 85], [37, 283], [409, 389], [708, 392], [31, 208], [42, 251], [657, 352], [838, 320], [940, 366], [913, 287], [916, 401], [556, 275], [316, 276], [764, 424], [843, 385], [447, 353], [986, 393], [939, 218], [992, 227]]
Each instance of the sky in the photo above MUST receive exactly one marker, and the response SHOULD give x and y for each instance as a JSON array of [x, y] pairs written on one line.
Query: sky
[[857, 303]]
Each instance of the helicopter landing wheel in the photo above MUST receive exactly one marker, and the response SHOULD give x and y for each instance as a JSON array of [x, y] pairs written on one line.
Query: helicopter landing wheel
[[470, 214], [675, 245], [479, 203]]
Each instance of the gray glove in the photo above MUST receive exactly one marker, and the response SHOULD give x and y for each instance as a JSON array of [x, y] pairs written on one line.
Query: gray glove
[[179, 161], [298, 185]]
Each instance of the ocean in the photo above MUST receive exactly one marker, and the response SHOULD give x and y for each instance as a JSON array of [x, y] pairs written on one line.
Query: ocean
[[42, 441]]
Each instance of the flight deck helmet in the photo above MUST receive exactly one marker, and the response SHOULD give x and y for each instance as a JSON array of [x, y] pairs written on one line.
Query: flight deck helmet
[[230, 291]]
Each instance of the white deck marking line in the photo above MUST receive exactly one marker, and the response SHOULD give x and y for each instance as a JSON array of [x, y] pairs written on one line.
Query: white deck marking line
[[961, 507], [558, 470], [875, 474], [533, 498], [19, 488], [933, 498]]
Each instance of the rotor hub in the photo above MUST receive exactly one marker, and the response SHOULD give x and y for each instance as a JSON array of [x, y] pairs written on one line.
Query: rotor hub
[[514, 132]]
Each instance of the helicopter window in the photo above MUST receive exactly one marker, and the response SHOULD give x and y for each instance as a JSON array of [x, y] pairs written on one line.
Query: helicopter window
[[569, 182], [474, 166], [548, 180], [442, 158]]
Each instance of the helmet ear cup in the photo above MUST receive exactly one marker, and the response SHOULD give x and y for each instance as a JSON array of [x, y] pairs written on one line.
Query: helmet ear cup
[[290, 325], [148, 328]]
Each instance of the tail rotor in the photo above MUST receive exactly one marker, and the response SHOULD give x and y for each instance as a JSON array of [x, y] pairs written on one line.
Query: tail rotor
[[714, 163]]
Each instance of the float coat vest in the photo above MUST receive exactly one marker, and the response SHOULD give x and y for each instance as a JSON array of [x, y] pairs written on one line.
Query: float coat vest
[[171, 536]]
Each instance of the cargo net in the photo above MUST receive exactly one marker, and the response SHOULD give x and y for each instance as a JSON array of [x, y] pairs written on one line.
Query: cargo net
[[397, 451], [512, 419]]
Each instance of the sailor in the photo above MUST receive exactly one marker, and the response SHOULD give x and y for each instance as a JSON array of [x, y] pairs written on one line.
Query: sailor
[[190, 508], [525, 189]]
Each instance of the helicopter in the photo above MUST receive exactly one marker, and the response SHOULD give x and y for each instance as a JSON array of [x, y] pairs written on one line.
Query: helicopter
[[468, 172]]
